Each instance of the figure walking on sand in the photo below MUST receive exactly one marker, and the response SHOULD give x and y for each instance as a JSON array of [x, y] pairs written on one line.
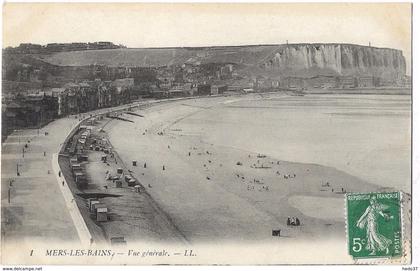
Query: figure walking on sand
[[369, 220]]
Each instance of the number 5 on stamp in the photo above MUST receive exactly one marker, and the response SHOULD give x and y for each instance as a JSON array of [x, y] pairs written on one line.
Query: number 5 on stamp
[[374, 225]]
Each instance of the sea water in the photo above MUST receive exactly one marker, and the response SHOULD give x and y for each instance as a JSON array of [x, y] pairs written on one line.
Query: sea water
[[368, 136]]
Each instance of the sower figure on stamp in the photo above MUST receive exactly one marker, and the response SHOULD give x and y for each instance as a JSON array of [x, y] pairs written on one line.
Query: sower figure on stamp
[[369, 220]]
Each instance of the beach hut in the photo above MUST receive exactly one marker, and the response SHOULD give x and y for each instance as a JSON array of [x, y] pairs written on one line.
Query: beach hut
[[134, 163], [276, 233], [82, 158], [115, 178], [73, 160], [92, 205], [80, 179], [118, 241], [76, 167], [103, 158], [101, 213], [131, 183], [137, 188], [119, 170], [89, 200], [118, 184]]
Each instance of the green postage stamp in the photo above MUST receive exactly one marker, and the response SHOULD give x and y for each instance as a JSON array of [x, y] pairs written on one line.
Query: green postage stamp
[[374, 225]]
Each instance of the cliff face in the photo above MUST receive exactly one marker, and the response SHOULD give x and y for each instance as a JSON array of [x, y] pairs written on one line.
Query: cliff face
[[300, 60], [336, 59]]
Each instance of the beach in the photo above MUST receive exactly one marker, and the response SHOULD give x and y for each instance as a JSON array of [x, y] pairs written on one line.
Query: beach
[[236, 168]]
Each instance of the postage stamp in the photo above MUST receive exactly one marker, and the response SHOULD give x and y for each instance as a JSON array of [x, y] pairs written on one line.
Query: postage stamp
[[374, 225]]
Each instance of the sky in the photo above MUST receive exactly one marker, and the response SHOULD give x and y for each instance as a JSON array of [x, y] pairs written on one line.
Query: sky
[[209, 24]]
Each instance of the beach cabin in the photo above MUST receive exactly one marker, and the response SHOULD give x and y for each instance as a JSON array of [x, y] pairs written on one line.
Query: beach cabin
[[73, 161], [276, 233], [92, 205], [119, 170], [118, 183], [131, 183], [82, 158], [80, 180], [101, 213], [96, 206], [89, 200], [118, 241], [76, 168]]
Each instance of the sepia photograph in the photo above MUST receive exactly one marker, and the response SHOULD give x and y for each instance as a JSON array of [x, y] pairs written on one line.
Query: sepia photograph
[[206, 134]]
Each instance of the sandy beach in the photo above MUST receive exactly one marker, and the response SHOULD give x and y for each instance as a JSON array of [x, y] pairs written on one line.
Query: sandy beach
[[214, 190]]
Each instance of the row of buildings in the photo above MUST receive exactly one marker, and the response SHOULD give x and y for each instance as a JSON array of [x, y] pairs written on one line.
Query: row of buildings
[[329, 82], [36, 107], [31, 48]]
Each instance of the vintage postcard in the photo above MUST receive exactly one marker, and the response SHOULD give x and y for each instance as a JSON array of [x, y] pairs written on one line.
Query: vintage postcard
[[206, 133]]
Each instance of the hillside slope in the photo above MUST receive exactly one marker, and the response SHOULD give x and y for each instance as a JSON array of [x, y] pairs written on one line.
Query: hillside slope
[[288, 59]]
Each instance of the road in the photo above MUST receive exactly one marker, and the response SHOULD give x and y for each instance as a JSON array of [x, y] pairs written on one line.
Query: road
[[36, 212], [36, 208]]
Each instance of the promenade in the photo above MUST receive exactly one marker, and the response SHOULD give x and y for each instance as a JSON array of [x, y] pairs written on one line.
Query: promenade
[[36, 206], [33, 208]]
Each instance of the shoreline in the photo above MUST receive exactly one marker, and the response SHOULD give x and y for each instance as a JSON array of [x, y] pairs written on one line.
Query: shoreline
[[317, 91], [152, 104], [156, 175]]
